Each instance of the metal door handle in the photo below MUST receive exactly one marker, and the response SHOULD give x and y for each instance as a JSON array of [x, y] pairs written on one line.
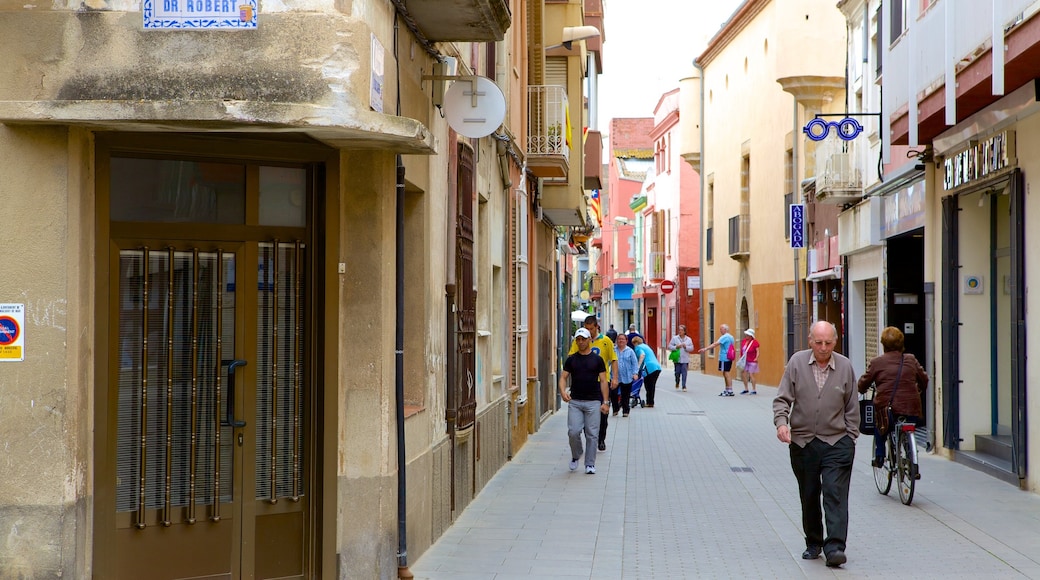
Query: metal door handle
[[231, 421]]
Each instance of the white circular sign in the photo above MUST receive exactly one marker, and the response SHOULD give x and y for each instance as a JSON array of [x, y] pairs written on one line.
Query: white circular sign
[[474, 106]]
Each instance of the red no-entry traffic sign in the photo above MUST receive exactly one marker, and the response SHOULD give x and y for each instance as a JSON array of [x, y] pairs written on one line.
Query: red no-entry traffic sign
[[667, 286]]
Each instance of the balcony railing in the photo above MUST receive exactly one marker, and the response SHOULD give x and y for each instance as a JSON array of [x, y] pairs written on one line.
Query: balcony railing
[[740, 237], [838, 179], [548, 149], [655, 267]]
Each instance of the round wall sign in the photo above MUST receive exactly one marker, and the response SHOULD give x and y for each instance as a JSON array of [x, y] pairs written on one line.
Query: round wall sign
[[474, 106]]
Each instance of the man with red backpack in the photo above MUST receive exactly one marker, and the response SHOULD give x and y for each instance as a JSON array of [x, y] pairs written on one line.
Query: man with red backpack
[[727, 352]]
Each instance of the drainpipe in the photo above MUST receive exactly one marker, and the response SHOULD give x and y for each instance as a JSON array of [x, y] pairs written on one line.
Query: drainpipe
[[796, 198], [703, 181], [402, 467], [402, 463]]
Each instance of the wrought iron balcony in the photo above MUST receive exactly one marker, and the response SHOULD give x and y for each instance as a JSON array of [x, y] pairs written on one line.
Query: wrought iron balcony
[[740, 237], [548, 141], [839, 179]]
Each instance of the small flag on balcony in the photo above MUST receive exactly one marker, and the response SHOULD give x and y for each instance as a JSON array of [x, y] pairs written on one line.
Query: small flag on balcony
[[594, 206], [567, 118]]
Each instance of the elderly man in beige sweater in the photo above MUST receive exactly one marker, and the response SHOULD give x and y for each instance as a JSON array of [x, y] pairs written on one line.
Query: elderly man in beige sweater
[[816, 412]]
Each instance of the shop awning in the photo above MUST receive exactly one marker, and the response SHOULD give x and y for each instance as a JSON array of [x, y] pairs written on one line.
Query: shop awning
[[622, 291], [828, 274]]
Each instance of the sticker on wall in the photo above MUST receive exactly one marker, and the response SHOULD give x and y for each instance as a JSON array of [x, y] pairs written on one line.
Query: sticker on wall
[[972, 284], [12, 339]]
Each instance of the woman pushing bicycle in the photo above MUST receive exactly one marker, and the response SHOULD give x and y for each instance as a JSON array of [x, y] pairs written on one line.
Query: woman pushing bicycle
[[893, 373]]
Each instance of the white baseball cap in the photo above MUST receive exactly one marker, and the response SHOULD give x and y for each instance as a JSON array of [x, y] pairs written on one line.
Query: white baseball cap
[[583, 333]]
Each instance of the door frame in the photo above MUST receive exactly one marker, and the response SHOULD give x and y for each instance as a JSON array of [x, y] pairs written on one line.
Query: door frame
[[322, 331]]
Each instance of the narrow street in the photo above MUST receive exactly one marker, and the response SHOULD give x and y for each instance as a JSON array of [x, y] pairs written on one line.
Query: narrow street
[[699, 487]]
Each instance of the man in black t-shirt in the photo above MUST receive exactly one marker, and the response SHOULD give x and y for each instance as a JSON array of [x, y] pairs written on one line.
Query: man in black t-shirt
[[586, 399]]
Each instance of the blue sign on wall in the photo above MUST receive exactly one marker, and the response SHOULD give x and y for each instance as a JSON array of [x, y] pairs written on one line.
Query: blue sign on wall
[[199, 14], [797, 221]]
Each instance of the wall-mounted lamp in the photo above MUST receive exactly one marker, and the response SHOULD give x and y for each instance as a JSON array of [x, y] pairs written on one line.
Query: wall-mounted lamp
[[572, 34], [821, 298], [834, 294], [622, 220]]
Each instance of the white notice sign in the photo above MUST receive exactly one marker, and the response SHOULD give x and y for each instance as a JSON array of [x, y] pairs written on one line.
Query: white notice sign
[[199, 14]]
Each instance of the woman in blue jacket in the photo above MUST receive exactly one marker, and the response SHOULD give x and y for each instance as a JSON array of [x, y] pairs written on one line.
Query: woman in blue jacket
[[650, 365]]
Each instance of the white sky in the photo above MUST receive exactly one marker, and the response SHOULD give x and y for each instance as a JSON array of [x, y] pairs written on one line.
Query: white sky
[[650, 45]]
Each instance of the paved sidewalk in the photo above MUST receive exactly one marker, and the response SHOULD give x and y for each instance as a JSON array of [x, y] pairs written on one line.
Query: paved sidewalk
[[699, 487]]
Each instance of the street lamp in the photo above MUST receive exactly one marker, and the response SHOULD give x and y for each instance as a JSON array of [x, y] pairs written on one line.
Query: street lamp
[[572, 34]]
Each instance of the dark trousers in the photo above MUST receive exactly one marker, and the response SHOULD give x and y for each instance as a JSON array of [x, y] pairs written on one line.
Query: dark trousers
[[650, 386], [824, 470], [603, 425], [621, 397]]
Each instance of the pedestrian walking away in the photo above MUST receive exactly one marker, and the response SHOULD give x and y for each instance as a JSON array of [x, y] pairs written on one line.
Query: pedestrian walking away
[[684, 344], [816, 413], [900, 380], [650, 368], [726, 356], [604, 347], [586, 399], [748, 362], [628, 372]]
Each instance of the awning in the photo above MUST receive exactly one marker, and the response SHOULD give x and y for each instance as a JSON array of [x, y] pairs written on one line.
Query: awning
[[829, 274], [622, 291]]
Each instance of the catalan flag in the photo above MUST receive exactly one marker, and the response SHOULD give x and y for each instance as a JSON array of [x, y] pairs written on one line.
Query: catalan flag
[[597, 212]]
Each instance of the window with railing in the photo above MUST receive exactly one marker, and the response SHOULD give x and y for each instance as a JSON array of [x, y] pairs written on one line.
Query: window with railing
[[739, 235], [788, 201], [547, 123], [656, 266], [709, 245], [789, 189]]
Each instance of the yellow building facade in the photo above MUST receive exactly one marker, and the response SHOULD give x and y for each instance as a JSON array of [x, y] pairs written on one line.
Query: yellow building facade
[[768, 70]]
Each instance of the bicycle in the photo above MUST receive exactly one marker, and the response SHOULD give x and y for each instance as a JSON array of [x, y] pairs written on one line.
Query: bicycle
[[900, 461]]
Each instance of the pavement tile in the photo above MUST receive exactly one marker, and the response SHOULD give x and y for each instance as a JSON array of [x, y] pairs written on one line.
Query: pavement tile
[[699, 487]]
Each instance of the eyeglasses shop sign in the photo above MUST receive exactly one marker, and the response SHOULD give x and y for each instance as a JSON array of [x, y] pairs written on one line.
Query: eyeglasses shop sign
[[199, 14], [978, 161]]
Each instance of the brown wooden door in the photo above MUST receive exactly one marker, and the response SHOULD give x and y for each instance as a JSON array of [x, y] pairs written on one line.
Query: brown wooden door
[[209, 386], [210, 371]]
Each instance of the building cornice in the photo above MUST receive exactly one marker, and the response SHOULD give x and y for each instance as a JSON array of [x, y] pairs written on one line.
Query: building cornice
[[731, 29]]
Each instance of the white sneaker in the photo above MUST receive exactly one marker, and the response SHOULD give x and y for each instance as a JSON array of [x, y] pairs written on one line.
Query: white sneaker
[[589, 469], [574, 464]]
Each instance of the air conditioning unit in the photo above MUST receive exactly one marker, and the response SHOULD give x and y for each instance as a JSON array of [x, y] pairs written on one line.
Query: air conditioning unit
[[538, 212]]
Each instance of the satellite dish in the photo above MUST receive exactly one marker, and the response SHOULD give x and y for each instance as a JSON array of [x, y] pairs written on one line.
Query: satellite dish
[[474, 106]]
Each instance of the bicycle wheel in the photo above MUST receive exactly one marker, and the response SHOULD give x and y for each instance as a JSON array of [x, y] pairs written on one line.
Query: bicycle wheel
[[883, 474], [906, 467]]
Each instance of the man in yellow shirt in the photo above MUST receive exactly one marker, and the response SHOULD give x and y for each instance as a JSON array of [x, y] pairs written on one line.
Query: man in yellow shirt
[[604, 347]]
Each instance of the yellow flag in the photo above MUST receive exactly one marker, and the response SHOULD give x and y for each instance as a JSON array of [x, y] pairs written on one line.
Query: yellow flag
[[567, 138]]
